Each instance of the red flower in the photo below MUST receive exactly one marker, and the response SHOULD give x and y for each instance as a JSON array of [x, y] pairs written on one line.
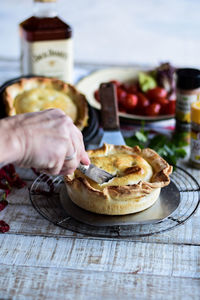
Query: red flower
[[8, 179], [3, 204], [4, 227]]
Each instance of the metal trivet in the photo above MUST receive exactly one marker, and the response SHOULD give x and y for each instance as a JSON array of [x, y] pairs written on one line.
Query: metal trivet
[[45, 197]]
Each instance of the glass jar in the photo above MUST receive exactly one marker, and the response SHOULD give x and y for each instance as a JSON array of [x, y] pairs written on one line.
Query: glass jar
[[187, 92], [195, 135]]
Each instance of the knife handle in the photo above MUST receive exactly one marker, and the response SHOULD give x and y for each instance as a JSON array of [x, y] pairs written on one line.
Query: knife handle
[[109, 108]]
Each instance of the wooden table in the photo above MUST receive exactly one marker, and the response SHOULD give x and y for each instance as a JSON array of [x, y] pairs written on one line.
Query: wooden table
[[39, 260]]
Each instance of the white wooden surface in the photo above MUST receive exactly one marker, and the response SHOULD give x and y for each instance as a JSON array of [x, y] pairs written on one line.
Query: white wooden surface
[[41, 261]]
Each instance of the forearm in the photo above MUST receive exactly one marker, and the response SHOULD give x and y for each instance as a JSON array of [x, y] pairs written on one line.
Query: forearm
[[9, 143]]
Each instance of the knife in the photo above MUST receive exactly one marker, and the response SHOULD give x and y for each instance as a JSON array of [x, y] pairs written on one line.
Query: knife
[[109, 115], [96, 174], [111, 135]]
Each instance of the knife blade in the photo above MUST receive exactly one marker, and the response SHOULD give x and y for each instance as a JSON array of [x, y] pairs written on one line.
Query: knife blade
[[109, 115], [96, 174]]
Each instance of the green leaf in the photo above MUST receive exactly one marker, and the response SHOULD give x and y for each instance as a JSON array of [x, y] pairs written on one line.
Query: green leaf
[[179, 139], [157, 141], [180, 152], [146, 82], [170, 148], [133, 141], [141, 136]]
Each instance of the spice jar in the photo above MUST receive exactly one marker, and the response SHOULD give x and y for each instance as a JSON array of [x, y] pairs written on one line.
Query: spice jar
[[187, 92], [46, 43], [195, 135]]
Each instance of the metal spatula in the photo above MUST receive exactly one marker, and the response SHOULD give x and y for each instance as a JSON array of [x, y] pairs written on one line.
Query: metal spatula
[[111, 135], [109, 115]]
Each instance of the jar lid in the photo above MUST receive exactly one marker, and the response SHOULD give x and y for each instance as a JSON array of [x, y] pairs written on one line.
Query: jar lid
[[188, 79], [195, 112]]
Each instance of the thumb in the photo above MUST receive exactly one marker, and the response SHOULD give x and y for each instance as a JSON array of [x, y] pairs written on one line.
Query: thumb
[[85, 159]]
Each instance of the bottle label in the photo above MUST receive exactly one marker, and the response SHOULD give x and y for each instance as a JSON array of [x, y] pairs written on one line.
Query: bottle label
[[183, 106], [195, 147], [48, 58]]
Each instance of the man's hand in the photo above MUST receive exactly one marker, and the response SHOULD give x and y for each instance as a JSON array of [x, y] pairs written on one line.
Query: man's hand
[[43, 139]]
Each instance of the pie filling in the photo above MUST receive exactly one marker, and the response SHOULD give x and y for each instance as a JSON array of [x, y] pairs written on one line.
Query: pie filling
[[38, 99], [128, 168]]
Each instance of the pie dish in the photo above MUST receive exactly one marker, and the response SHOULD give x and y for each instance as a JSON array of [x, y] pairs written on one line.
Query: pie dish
[[40, 93], [140, 175]]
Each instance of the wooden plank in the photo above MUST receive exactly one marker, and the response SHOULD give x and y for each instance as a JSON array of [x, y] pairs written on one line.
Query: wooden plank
[[51, 283], [101, 255]]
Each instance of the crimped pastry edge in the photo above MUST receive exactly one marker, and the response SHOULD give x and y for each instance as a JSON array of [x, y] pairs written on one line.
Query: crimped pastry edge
[[119, 200], [23, 84]]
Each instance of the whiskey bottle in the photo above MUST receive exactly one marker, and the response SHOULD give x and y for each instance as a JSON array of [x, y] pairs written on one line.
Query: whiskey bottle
[[46, 43]]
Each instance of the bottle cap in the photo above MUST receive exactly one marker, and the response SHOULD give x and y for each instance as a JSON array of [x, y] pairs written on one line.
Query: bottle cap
[[195, 112], [188, 79]]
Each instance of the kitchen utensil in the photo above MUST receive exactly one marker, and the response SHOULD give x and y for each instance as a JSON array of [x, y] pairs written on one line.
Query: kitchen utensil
[[96, 174], [111, 135], [109, 115]]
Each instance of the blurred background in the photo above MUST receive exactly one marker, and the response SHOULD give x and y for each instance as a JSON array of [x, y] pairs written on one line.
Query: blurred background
[[144, 32]]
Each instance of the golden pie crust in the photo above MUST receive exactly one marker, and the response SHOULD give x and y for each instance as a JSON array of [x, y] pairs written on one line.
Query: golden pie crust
[[40, 93], [140, 175]]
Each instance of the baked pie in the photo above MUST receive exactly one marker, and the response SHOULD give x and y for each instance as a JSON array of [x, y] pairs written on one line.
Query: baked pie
[[40, 93], [140, 175]]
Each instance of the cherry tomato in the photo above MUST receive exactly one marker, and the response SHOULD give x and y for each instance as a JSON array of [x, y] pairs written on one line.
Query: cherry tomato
[[125, 86], [96, 95], [155, 93], [170, 108], [121, 95], [132, 88], [122, 109], [153, 109], [116, 82], [161, 101], [130, 102], [164, 103], [143, 101]]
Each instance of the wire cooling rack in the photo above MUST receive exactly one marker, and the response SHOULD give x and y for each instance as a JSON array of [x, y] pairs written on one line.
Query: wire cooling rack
[[45, 197]]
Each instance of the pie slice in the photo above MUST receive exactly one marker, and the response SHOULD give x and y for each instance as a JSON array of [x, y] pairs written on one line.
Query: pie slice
[[40, 93], [140, 175]]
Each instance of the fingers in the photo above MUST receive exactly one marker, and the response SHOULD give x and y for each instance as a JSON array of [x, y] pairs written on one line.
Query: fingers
[[79, 155], [74, 149], [46, 138], [85, 158]]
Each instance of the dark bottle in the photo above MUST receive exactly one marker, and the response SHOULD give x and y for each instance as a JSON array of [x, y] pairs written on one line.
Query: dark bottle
[[46, 43]]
